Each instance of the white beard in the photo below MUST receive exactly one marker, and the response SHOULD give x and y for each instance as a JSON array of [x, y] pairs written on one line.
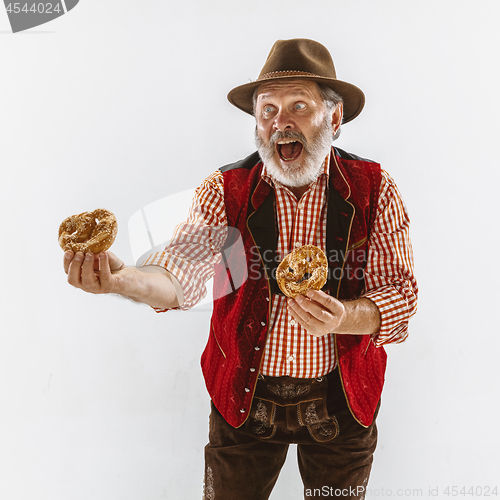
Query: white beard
[[305, 171]]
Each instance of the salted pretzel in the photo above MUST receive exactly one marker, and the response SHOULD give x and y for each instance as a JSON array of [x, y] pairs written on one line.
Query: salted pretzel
[[303, 269], [89, 231]]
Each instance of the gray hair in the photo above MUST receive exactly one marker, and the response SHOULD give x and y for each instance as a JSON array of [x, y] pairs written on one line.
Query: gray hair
[[330, 98]]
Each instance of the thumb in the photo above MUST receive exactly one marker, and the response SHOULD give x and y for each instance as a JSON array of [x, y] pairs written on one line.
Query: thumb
[[115, 264]]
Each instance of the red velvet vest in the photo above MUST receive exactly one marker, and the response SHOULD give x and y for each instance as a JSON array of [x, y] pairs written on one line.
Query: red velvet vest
[[239, 325]]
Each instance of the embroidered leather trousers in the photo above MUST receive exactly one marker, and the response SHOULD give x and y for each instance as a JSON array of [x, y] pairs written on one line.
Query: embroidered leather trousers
[[334, 451]]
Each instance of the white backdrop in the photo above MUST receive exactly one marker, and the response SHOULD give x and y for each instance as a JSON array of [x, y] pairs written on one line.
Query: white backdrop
[[120, 103]]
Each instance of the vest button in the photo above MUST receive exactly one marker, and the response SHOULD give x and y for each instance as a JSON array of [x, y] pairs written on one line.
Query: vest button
[[247, 389], [252, 369], [257, 348], [242, 410], [267, 299], [263, 323]]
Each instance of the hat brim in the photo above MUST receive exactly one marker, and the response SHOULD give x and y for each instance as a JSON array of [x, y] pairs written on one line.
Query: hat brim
[[353, 97]]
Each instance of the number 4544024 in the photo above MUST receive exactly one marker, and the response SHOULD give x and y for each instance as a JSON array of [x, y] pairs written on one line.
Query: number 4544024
[[35, 8], [478, 491]]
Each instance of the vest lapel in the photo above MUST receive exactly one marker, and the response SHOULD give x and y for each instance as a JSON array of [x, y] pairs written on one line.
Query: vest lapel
[[340, 214], [262, 226]]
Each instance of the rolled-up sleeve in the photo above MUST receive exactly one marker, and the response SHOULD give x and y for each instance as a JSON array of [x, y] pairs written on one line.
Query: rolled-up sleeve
[[389, 279], [196, 243]]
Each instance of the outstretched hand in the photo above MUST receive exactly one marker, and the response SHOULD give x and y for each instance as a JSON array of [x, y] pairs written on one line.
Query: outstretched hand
[[94, 273], [317, 312]]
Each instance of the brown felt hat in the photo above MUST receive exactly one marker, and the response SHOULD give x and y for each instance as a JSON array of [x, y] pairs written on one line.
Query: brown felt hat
[[304, 59]]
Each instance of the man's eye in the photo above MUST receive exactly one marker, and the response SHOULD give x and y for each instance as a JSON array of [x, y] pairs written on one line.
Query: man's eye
[[268, 109], [300, 105]]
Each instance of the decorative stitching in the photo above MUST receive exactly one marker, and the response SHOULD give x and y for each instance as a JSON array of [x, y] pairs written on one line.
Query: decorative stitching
[[208, 486], [261, 416], [292, 72], [311, 415], [313, 421], [289, 390], [299, 416], [365, 483]]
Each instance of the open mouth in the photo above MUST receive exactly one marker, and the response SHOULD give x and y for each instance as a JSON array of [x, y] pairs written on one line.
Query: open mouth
[[288, 149]]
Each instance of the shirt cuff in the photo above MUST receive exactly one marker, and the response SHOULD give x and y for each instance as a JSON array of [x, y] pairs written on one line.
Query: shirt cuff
[[394, 315], [193, 288]]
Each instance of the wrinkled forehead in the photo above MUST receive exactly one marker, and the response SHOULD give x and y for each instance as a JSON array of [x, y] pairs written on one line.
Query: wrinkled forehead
[[293, 87]]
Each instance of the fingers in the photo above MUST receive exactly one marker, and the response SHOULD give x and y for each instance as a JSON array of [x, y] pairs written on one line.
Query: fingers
[[298, 314], [68, 257], [73, 266], [318, 313], [92, 273], [311, 310], [309, 313], [90, 282], [105, 270], [81, 271], [325, 300]]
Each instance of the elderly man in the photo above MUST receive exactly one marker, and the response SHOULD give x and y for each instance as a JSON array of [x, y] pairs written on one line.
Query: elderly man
[[308, 370]]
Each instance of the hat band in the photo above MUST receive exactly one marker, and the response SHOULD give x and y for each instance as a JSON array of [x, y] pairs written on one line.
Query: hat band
[[274, 74]]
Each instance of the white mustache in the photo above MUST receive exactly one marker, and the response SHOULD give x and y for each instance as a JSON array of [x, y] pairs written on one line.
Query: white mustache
[[287, 134]]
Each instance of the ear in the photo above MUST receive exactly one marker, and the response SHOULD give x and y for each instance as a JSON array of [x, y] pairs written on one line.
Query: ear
[[337, 115]]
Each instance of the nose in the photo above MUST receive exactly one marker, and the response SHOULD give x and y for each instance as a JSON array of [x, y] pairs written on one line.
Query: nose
[[283, 120]]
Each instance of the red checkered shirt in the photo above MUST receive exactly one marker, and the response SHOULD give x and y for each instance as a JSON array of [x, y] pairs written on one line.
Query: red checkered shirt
[[290, 350]]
